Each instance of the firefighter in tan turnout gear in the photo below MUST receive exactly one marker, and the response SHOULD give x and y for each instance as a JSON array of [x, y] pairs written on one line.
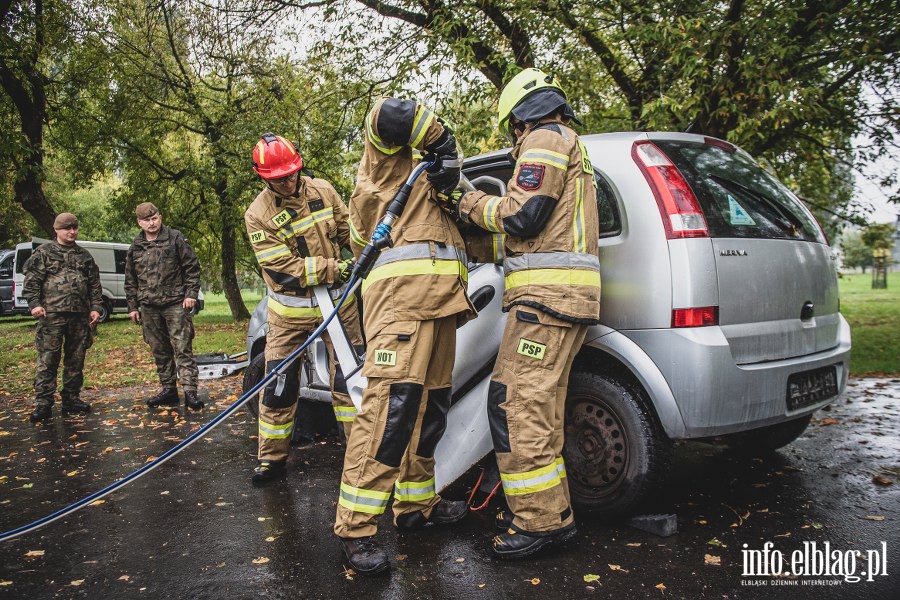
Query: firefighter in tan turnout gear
[[552, 294], [297, 227], [414, 298]]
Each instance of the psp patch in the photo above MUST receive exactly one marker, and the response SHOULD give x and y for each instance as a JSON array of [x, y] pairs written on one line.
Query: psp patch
[[530, 177], [531, 349]]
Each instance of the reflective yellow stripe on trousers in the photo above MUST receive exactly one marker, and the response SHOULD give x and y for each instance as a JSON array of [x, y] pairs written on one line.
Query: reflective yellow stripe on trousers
[[344, 414], [544, 478], [365, 501], [275, 432], [411, 491]]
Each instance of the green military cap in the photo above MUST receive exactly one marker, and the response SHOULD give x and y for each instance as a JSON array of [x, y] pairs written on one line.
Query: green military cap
[[145, 210], [65, 220]]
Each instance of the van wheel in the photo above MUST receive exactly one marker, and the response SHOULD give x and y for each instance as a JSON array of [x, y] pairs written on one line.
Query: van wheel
[[105, 311], [253, 374], [766, 439], [615, 453]]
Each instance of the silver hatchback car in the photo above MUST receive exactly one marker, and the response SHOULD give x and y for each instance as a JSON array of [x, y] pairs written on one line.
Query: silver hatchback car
[[719, 314]]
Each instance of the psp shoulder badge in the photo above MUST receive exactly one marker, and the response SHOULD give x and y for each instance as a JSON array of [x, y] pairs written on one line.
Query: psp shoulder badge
[[530, 176]]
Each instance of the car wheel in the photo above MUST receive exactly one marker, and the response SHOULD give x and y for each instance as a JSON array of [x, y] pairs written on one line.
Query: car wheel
[[105, 311], [615, 452], [253, 374], [767, 439]]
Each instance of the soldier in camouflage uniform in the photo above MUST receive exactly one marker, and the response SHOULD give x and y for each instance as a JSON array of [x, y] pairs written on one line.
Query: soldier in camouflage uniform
[[162, 281], [62, 288]]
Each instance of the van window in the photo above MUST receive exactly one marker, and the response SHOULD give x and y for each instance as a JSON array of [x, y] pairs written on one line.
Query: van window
[[6, 266], [22, 256], [739, 199], [120, 261]]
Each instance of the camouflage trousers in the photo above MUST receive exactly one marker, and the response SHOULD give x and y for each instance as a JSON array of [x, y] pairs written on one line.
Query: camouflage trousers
[[169, 330], [59, 334]]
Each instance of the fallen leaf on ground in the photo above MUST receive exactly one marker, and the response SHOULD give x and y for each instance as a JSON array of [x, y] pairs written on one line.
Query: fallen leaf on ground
[[715, 542], [124, 578], [660, 587], [96, 502], [460, 560], [873, 518], [31, 553], [829, 422], [77, 582], [712, 560], [881, 480], [150, 459], [634, 544], [534, 581], [260, 561], [616, 568], [270, 539], [590, 578], [3, 583]]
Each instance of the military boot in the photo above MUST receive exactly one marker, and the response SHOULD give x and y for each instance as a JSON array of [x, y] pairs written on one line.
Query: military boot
[[444, 512], [75, 406], [365, 555], [191, 401], [268, 470], [41, 413], [167, 397]]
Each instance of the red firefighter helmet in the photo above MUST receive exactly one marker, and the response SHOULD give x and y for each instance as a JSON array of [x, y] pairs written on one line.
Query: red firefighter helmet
[[275, 157]]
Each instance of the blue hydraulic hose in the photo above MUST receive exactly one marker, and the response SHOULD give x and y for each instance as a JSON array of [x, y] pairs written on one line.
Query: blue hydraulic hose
[[282, 366]]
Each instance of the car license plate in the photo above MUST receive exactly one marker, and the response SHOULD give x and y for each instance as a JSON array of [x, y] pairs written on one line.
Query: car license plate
[[811, 387]]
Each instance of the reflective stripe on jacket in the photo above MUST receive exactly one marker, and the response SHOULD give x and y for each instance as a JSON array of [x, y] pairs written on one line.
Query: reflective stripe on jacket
[[297, 240], [549, 216]]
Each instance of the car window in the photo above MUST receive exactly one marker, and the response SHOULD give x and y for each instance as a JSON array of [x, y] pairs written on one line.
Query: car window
[[6, 265], [738, 197], [607, 208]]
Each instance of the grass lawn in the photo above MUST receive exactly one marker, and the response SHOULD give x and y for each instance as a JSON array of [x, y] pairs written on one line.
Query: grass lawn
[[874, 317], [119, 355]]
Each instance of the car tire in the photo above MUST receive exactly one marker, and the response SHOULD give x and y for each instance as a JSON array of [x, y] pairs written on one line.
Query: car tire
[[615, 452], [105, 311], [253, 374], [766, 440]]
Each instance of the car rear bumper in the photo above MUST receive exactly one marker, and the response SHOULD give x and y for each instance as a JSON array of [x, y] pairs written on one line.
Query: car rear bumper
[[714, 395]]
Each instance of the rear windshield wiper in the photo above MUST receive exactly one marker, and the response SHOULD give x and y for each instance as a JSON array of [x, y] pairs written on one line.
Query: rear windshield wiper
[[788, 220]]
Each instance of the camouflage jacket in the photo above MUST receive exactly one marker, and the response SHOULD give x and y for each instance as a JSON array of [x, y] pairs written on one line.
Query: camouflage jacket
[[161, 272], [62, 279]]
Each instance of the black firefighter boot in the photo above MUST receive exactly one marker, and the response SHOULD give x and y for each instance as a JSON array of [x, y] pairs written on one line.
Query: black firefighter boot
[[365, 555], [167, 397], [191, 401]]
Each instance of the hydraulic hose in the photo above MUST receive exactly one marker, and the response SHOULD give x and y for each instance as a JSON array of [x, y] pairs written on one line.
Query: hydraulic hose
[[380, 239]]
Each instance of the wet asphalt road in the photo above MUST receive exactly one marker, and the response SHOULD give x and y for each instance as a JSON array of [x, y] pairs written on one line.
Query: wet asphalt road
[[195, 528]]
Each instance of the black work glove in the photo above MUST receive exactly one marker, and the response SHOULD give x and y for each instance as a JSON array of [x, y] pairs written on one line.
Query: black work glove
[[345, 270], [444, 173], [449, 203]]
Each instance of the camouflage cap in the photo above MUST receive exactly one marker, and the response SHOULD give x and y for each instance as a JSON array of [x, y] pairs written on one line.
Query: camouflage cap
[[65, 220], [145, 210]]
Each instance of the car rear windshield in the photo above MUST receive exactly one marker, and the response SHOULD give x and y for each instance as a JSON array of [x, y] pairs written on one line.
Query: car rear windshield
[[739, 199]]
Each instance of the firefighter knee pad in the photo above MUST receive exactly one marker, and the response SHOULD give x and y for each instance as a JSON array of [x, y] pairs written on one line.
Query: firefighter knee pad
[[497, 416], [403, 407], [283, 390], [434, 423]]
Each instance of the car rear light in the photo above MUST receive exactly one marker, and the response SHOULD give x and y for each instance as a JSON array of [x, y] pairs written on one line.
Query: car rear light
[[703, 316], [680, 210]]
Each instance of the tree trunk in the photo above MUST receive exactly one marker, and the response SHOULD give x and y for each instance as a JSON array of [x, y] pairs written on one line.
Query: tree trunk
[[229, 272]]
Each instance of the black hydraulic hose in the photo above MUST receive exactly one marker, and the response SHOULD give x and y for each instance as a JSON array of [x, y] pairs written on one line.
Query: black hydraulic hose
[[282, 366]]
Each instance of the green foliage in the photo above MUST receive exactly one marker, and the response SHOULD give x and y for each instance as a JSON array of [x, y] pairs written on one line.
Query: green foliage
[[874, 317], [856, 252], [879, 236]]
